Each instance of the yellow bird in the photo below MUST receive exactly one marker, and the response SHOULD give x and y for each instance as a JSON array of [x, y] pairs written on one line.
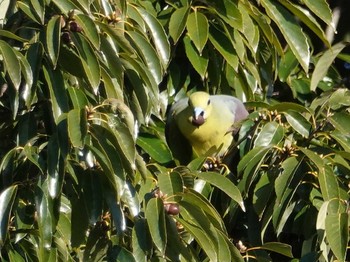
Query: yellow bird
[[203, 125]]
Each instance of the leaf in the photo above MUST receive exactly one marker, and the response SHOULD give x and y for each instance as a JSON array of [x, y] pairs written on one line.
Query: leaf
[[276, 247], [11, 63], [89, 60], [77, 126], [198, 28], [7, 198], [131, 199], [38, 6], [53, 38], [44, 220], [55, 167], [322, 10], [224, 45], [141, 240], [323, 64], [198, 61], [89, 29], [341, 122], [177, 23], [286, 65], [155, 147], [271, 134], [224, 184], [170, 184], [298, 122], [116, 210], [155, 216], [158, 35], [337, 233], [148, 54], [305, 17], [201, 237], [291, 31], [55, 82]]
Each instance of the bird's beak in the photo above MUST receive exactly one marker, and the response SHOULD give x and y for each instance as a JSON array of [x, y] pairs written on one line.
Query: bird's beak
[[197, 112], [198, 116]]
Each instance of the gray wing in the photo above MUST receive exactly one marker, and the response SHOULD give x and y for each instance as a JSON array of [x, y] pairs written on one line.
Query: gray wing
[[233, 104], [178, 144]]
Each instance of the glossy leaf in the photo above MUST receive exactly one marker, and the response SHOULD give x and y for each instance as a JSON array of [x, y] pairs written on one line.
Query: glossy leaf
[[223, 184], [323, 64], [53, 38], [271, 134], [177, 23], [198, 61], [154, 147], [7, 198], [11, 62], [155, 216], [198, 28], [337, 233], [298, 122], [158, 35], [322, 10], [89, 61], [77, 126], [291, 32], [89, 29]]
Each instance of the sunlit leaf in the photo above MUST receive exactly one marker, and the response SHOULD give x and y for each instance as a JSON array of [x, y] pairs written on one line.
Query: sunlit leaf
[[7, 198], [198, 28], [177, 22]]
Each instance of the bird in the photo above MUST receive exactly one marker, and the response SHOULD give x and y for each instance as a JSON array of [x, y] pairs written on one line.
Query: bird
[[203, 125]]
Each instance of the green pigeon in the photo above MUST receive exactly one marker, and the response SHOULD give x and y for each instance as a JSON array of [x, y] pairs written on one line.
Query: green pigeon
[[203, 125]]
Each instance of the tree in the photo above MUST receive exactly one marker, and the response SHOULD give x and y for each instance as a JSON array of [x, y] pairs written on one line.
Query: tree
[[86, 173]]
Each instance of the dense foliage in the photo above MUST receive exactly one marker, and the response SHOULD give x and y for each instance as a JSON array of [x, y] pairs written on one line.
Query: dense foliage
[[86, 174]]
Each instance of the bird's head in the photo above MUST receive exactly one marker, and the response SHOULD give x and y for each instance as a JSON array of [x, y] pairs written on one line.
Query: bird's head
[[199, 102]]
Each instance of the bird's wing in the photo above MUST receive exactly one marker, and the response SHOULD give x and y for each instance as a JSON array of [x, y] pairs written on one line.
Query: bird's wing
[[232, 105], [179, 145]]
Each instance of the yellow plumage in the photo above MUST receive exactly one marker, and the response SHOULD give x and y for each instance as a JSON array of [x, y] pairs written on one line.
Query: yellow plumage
[[203, 124]]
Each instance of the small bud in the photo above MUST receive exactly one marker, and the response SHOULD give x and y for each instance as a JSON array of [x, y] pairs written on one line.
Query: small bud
[[65, 37]]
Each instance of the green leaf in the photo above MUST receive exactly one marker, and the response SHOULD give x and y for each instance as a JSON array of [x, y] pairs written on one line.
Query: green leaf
[[155, 147], [141, 240], [341, 122], [177, 23], [77, 126], [322, 10], [224, 184], [276, 247], [198, 61], [158, 35], [201, 237], [224, 45], [11, 63], [149, 55], [298, 122], [89, 60], [89, 29], [271, 134], [55, 167], [55, 82], [286, 65], [78, 98], [198, 29], [7, 198], [304, 15], [38, 6], [44, 220], [337, 233], [323, 64], [170, 184], [195, 199], [291, 31], [155, 216], [53, 38]]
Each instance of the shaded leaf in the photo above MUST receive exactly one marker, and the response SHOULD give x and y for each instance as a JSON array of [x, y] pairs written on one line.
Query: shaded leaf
[[155, 216], [12, 63], [77, 126], [53, 38], [337, 233]]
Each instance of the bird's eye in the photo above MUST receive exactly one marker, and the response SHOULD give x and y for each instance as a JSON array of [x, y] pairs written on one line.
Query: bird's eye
[[209, 102]]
